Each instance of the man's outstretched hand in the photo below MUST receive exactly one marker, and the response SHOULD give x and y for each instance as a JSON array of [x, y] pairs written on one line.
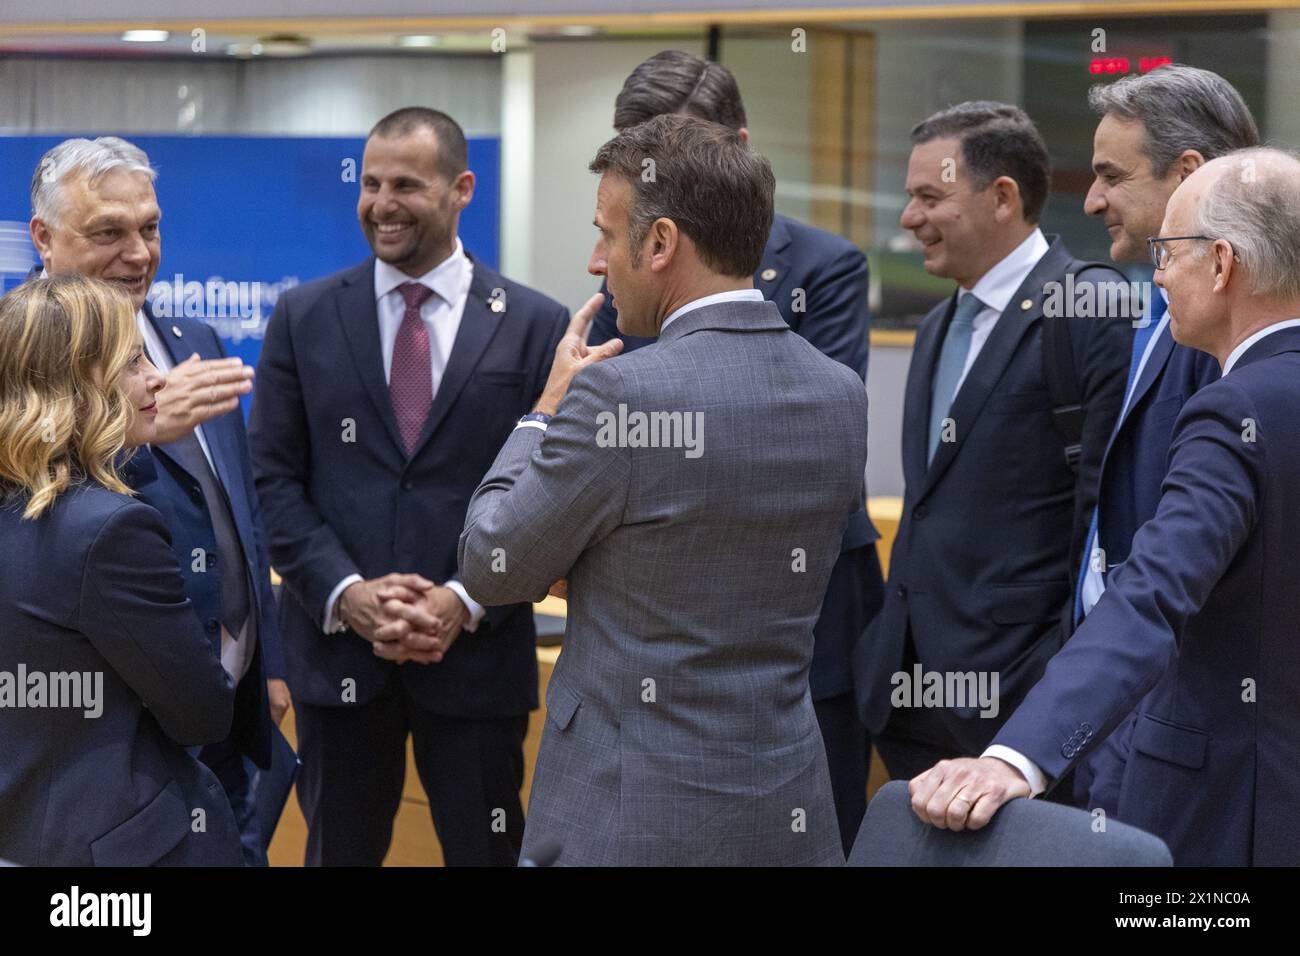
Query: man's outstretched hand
[[964, 794], [572, 355]]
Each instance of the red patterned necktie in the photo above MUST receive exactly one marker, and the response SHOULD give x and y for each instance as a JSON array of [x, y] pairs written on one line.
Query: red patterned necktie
[[410, 377]]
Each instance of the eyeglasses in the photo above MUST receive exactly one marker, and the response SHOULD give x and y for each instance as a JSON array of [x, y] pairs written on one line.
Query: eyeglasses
[[1160, 251]]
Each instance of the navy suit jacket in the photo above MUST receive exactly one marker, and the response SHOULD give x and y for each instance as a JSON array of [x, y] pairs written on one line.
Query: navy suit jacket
[[166, 485], [819, 282], [984, 561], [342, 497], [1202, 615], [98, 590], [1127, 494]]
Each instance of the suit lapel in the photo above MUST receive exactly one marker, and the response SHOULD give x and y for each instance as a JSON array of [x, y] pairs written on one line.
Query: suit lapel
[[916, 403], [1022, 311], [775, 267], [172, 336], [358, 315], [173, 339], [218, 435], [478, 325], [1156, 362]]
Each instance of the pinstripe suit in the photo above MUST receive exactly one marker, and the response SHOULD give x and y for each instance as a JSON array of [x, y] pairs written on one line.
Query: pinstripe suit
[[680, 728]]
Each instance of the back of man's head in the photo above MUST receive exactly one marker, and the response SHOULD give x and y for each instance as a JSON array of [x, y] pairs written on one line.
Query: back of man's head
[[702, 177], [677, 82], [997, 139], [1254, 204], [1180, 108]]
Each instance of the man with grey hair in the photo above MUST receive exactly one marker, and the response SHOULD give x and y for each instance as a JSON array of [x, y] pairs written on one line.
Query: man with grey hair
[[95, 213], [1156, 129], [1202, 613]]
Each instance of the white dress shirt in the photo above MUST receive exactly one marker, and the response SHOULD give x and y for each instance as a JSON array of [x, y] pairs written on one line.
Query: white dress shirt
[[734, 295], [1031, 771], [441, 314], [1241, 349], [995, 289]]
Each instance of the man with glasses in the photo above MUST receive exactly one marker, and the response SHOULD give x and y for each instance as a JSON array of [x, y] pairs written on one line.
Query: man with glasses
[[1156, 129], [1197, 628]]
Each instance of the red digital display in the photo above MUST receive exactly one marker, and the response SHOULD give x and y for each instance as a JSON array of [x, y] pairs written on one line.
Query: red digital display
[[1118, 65], [1149, 63], [1108, 64]]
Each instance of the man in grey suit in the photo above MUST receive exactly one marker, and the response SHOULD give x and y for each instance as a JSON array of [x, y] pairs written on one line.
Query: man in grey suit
[[693, 494]]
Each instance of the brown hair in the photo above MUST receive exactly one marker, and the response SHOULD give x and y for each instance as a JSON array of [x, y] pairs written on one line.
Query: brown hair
[[64, 343], [704, 178], [677, 82]]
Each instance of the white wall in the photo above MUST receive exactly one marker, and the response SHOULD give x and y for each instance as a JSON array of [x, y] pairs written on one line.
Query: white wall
[[326, 96], [573, 84]]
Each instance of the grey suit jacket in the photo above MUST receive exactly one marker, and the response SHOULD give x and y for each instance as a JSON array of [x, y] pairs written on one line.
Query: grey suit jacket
[[680, 729]]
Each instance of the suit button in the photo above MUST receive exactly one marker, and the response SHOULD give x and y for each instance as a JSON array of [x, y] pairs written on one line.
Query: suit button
[[1067, 752], [920, 511], [196, 496], [408, 486], [902, 591], [212, 625]]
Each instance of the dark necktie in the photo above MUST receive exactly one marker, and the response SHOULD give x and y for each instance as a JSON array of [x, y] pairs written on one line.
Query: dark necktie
[[236, 599], [410, 377]]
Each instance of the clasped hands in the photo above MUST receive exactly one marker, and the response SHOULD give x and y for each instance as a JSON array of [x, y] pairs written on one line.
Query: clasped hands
[[405, 617]]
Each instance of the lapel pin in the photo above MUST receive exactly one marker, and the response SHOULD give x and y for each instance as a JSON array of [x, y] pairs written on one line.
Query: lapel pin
[[176, 331], [497, 300], [498, 305], [768, 275], [1026, 305]]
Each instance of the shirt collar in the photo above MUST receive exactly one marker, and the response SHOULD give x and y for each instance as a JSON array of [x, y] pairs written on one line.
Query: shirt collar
[[996, 287], [1241, 349], [444, 279], [734, 295]]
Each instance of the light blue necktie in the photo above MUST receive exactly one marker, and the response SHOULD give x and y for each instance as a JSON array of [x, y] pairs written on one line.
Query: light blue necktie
[[952, 359], [1141, 336]]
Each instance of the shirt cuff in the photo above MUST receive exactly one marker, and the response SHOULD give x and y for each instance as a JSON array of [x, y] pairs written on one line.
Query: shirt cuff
[[531, 424], [476, 610], [1037, 781], [333, 625]]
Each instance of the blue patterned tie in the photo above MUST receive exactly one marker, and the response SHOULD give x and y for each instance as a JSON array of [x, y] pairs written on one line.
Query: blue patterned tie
[[952, 359]]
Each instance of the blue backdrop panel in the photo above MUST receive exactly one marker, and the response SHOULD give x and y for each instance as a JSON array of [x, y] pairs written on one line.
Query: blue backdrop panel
[[262, 213]]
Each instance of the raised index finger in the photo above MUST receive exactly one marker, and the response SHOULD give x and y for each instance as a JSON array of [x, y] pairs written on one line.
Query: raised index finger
[[580, 324]]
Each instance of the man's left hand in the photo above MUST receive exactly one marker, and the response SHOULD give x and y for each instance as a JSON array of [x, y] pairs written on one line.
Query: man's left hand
[[964, 794]]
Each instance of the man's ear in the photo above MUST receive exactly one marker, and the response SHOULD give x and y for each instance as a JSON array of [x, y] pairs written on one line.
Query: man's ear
[[1224, 262], [665, 241], [1189, 162], [744, 134], [42, 238], [463, 187], [1006, 199]]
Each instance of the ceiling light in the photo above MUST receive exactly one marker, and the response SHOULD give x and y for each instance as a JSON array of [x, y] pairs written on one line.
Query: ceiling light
[[145, 36], [419, 40]]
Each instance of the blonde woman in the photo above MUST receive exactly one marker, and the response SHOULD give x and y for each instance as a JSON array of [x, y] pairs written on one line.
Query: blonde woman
[[105, 673]]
